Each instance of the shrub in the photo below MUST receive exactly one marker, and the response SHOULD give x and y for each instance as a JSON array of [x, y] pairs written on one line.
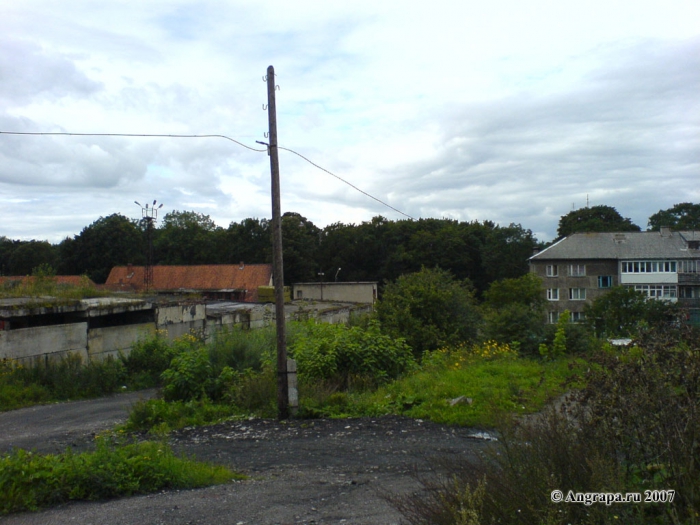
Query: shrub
[[149, 358], [514, 310], [189, 376], [241, 349], [429, 309], [338, 353]]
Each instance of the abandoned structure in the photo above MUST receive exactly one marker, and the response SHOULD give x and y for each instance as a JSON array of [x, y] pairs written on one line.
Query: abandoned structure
[[230, 282], [33, 330], [349, 292]]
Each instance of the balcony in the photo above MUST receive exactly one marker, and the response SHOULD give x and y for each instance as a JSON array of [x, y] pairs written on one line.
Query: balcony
[[689, 278], [689, 303]]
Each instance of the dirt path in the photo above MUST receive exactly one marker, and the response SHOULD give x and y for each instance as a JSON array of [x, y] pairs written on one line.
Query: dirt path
[[310, 472]]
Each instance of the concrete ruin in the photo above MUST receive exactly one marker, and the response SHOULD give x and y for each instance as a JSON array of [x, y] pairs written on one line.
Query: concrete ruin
[[36, 330]]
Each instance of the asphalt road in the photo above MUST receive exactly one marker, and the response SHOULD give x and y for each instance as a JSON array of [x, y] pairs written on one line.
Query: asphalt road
[[301, 472]]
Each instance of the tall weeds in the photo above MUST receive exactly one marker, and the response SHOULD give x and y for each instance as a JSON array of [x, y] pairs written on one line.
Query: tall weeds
[[635, 427]]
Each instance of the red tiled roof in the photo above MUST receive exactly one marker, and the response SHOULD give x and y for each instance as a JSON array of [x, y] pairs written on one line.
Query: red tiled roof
[[75, 280], [210, 277]]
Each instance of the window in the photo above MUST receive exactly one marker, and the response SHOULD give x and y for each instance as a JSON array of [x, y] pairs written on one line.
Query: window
[[552, 270], [658, 291], [685, 292], [649, 266], [577, 270], [577, 317], [604, 281], [553, 317], [577, 294], [299, 294], [553, 294]]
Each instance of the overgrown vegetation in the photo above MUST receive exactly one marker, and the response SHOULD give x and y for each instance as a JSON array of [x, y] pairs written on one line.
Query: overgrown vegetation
[[632, 423], [633, 428], [353, 371], [43, 283], [58, 380], [430, 309], [29, 481]]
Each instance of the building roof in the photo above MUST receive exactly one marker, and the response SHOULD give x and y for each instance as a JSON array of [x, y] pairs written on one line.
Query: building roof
[[627, 245], [218, 277]]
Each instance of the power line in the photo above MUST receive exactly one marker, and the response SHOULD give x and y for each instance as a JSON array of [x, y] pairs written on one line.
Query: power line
[[65, 133], [129, 135], [346, 182]]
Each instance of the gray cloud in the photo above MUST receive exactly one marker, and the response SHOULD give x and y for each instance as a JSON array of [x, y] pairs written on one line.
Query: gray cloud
[[628, 128], [28, 72]]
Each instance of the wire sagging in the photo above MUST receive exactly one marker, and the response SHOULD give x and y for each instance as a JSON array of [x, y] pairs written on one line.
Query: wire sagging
[[175, 136]]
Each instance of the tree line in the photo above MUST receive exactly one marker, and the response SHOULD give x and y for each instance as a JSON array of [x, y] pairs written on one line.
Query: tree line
[[376, 250]]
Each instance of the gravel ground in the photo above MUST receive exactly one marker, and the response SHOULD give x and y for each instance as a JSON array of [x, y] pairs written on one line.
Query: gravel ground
[[301, 472]]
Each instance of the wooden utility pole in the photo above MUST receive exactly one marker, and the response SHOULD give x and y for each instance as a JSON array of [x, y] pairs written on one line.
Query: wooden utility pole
[[278, 267]]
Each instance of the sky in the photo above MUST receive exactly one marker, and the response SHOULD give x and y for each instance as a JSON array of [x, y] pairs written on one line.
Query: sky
[[507, 111]]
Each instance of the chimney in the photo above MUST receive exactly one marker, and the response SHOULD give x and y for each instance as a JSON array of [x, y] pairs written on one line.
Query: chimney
[[665, 231]]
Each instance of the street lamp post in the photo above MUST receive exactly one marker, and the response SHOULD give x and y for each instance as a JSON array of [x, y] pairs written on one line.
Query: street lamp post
[[149, 215]]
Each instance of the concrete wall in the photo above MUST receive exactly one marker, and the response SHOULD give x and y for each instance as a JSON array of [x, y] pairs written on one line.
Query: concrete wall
[[37, 344], [113, 340], [357, 292], [32, 345], [181, 319]]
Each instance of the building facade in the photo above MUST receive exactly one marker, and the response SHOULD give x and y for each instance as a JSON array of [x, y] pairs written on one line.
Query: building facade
[[578, 269]]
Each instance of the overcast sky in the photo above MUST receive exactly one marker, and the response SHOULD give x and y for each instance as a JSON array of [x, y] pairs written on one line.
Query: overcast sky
[[509, 111]]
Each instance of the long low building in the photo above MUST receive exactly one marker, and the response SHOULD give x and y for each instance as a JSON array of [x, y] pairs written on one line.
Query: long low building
[[230, 282], [35, 330]]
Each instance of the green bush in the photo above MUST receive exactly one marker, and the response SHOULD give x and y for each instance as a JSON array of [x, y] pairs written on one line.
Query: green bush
[[149, 358], [241, 349], [429, 309], [189, 376], [338, 353]]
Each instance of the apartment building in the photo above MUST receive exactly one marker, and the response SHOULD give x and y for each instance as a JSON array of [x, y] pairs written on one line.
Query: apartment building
[[576, 270]]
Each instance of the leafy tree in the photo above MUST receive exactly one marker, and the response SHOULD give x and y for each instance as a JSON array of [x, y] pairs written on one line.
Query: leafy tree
[[249, 241], [596, 219], [186, 237], [300, 240], [109, 241], [429, 308], [7, 248], [623, 310], [683, 216], [31, 255], [514, 311], [506, 252]]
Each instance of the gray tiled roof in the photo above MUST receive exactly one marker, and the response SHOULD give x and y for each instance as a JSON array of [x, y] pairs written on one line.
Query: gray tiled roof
[[628, 245]]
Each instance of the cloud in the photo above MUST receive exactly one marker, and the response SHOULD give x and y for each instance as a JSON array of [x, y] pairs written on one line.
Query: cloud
[[626, 127], [29, 72]]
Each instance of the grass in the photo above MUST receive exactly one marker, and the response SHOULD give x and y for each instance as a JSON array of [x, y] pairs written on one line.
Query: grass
[[159, 416], [490, 388], [490, 378], [30, 481], [59, 380]]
